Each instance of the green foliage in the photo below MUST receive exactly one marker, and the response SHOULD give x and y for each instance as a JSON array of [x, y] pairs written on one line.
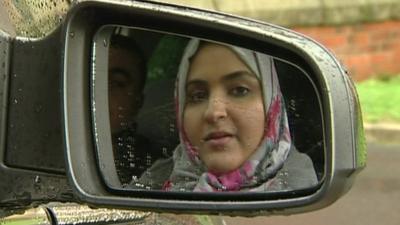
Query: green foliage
[[166, 58], [380, 99], [22, 222], [204, 219]]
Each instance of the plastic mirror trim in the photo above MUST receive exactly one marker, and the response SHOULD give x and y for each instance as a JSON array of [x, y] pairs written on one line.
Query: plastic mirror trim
[[27, 184]]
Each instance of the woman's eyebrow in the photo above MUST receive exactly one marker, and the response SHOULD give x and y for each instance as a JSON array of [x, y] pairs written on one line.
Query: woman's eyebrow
[[239, 75], [196, 82], [227, 77]]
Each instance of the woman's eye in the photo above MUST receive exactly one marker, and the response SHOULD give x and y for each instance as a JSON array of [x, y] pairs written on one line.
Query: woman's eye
[[197, 96], [240, 91]]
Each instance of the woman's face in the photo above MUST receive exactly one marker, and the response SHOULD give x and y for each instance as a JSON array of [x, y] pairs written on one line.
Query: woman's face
[[223, 116]]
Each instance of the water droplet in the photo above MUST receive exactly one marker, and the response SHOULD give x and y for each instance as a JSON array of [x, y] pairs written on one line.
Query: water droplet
[[83, 165], [37, 179], [105, 43], [139, 185], [72, 34], [38, 108]]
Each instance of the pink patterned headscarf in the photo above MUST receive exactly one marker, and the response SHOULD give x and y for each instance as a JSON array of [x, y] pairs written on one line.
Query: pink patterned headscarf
[[258, 172]]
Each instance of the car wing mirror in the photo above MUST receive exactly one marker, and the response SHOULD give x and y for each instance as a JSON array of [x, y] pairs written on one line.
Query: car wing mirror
[[169, 108]]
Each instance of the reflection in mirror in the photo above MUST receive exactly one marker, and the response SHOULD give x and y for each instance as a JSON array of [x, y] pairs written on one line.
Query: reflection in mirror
[[194, 115]]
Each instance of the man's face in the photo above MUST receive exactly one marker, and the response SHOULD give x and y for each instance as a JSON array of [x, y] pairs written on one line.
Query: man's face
[[125, 88]]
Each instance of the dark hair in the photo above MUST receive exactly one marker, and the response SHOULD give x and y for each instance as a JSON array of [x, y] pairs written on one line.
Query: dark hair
[[123, 42]]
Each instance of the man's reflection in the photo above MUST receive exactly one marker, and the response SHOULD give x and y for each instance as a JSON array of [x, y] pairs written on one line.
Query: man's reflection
[[234, 132], [127, 75]]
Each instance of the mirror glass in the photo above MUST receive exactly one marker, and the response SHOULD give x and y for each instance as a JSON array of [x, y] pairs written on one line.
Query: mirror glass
[[178, 113]]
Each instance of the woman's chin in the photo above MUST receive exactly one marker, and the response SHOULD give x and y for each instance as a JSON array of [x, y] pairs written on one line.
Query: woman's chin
[[220, 170]]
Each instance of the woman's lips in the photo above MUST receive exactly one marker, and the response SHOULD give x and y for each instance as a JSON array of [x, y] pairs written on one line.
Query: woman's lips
[[218, 139]]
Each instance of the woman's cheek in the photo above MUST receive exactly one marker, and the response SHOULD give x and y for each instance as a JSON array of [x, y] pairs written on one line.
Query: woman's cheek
[[191, 124], [250, 121]]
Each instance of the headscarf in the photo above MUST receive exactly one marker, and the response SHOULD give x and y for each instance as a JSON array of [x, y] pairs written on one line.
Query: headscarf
[[258, 172]]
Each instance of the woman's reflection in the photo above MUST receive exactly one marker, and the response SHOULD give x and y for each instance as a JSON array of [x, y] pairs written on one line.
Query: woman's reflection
[[234, 133]]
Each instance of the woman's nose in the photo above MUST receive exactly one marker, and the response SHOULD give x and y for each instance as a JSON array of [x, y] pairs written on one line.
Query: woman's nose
[[216, 110]]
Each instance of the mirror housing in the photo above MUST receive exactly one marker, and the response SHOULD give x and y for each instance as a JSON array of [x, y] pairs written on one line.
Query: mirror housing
[[343, 135], [32, 166], [32, 169]]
